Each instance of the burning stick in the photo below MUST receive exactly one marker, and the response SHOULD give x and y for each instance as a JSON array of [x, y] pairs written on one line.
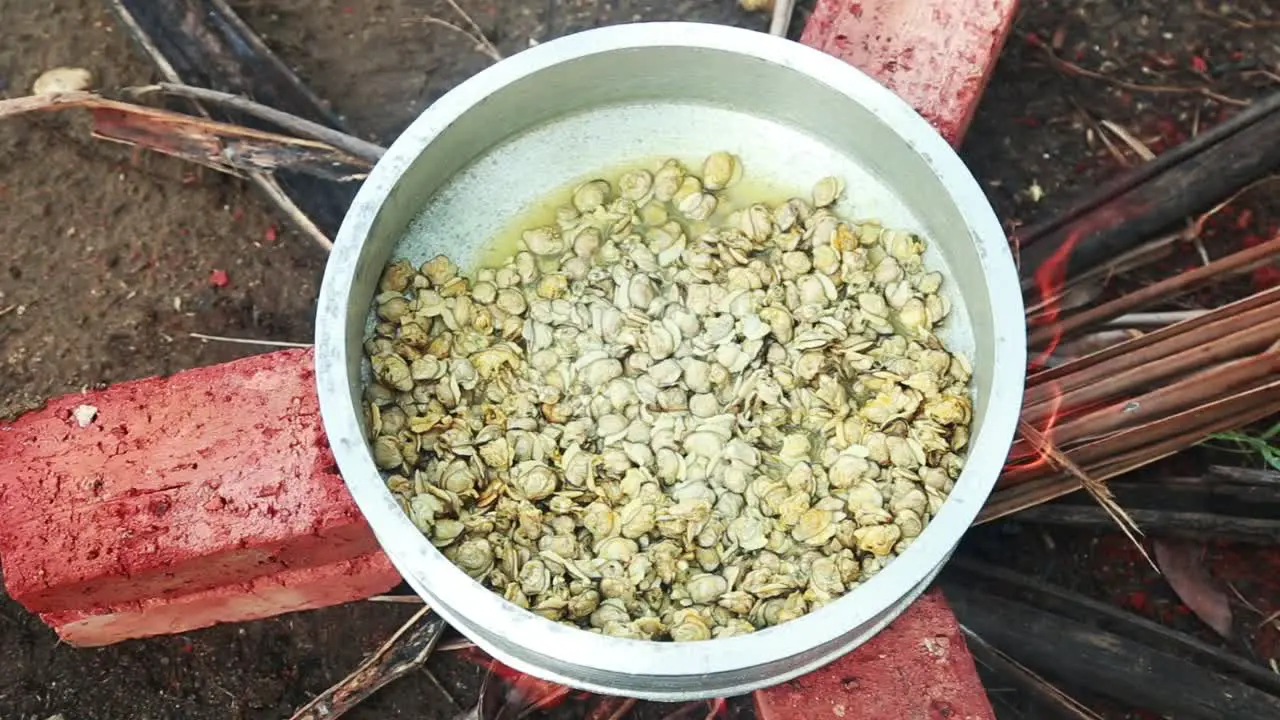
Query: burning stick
[[506, 694], [1089, 419], [1126, 406], [1099, 491], [1240, 261], [1124, 400], [1210, 327], [1132, 449], [406, 651], [1186, 394]]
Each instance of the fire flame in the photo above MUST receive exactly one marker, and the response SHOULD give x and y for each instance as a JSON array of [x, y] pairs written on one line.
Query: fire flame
[[1050, 280], [525, 691], [531, 695]]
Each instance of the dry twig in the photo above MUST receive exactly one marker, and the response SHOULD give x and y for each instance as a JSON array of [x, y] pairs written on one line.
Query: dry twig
[[217, 37], [440, 686], [1095, 130], [1147, 155], [780, 20], [1197, 226], [248, 341], [268, 184], [398, 599], [404, 652], [1094, 487], [1236, 262], [998, 661], [475, 33], [456, 645], [224, 147], [1073, 69], [1134, 143], [302, 127]]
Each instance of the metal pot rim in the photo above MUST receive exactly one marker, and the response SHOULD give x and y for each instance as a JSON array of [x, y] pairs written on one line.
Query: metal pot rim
[[433, 576]]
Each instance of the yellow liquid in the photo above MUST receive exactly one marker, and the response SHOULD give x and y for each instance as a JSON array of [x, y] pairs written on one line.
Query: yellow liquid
[[747, 191]]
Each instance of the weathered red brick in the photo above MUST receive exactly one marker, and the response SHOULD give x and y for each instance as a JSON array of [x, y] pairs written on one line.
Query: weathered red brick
[[209, 477], [935, 54], [285, 591], [918, 668]]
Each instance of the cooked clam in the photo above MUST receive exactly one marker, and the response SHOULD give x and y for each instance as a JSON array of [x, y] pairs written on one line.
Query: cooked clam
[[671, 415]]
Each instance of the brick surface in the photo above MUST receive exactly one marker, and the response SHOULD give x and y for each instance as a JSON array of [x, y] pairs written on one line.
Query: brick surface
[[918, 668], [286, 591], [935, 54], [209, 477]]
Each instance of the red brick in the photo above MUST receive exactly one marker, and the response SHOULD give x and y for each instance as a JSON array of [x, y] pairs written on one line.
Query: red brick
[[209, 477], [935, 54], [918, 668], [286, 591]]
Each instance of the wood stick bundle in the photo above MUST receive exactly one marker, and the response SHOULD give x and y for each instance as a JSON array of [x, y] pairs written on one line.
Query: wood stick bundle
[[1119, 409], [1167, 288]]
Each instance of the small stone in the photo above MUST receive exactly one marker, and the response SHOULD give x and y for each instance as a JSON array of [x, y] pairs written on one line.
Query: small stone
[[84, 415], [1035, 192], [62, 79]]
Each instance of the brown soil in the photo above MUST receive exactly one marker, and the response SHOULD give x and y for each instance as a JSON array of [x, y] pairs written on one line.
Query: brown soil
[[108, 257]]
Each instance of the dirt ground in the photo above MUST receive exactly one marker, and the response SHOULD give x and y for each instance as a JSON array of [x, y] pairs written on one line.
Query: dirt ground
[[108, 259]]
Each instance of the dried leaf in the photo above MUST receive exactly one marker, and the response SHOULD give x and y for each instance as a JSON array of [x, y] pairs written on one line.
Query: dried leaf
[[1181, 565]]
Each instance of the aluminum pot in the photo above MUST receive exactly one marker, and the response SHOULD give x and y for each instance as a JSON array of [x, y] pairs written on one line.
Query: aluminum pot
[[582, 105]]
